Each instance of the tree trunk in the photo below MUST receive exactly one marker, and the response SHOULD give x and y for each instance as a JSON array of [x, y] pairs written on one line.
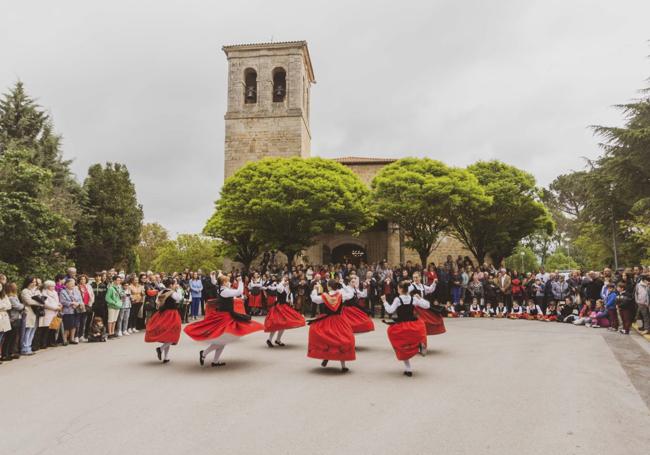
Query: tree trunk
[[424, 256], [290, 257]]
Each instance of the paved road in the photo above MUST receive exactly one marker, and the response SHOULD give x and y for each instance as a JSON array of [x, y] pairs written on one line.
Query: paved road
[[486, 387]]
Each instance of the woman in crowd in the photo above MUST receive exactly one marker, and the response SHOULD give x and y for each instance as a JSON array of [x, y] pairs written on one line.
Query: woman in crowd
[[5, 322], [137, 300], [281, 316], [114, 302], [222, 325], [407, 333], [330, 334], [70, 299], [165, 324], [11, 345], [33, 309], [88, 298], [52, 309], [196, 291]]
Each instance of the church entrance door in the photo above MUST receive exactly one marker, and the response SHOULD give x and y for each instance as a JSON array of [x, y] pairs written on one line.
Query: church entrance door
[[348, 252]]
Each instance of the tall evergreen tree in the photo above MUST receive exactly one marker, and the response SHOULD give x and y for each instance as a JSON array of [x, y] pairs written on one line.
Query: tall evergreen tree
[[109, 228]]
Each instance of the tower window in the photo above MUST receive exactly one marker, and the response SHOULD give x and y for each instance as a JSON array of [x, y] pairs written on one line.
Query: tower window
[[250, 86], [279, 85]]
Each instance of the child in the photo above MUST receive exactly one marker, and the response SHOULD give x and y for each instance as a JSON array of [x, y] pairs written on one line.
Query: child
[[501, 311], [516, 312], [451, 312], [584, 315], [533, 311], [551, 313], [475, 309], [97, 330], [598, 317], [488, 311]]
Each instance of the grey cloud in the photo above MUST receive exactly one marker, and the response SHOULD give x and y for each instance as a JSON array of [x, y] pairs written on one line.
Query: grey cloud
[[144, 83]]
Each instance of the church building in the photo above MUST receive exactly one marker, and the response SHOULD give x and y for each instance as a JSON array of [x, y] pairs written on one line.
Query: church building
[[267, 115]]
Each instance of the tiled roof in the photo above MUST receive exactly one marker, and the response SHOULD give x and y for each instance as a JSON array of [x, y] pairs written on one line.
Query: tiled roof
[[364, 160], [271, 44]]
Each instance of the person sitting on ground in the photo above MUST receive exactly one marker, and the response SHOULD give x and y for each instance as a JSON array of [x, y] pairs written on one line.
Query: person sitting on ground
[[488, 311], [475, 309], [451, 312], [550, 315], [583, 316], [501, 311], [516, 312], [598, 317], [97, 330], [534, 311], [568, 312]]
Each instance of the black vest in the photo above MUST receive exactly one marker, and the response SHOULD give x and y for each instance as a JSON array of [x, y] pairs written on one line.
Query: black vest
[[282, 298], [405, 312]]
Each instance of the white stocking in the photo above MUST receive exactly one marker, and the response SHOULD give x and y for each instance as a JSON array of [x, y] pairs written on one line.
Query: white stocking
[[279, 336], [407, 364], [165, 348], [271, 336]]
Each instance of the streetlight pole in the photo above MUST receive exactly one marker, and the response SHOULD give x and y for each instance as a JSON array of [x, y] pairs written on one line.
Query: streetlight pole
[[611, 198], [522, 254]]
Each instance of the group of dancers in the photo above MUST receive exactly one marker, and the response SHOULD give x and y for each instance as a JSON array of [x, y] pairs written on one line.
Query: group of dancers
[[331, 334]]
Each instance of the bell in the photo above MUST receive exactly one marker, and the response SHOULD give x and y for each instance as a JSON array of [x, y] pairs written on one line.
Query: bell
[[279, 91], [250, 93]]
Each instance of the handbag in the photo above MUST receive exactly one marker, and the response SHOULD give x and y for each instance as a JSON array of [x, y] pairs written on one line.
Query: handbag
[[56, 323]]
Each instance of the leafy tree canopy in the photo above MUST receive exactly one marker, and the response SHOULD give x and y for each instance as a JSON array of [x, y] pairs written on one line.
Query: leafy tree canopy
[[423, 196], [191, 251]]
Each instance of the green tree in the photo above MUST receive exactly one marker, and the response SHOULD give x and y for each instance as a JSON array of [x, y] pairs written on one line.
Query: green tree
[[111, 221], [191, 251], [560, 261], [25, 125], [514, 212], [35, 238], [423, 196], [284, 203], [239, 241], [522, 259], [152, 237]]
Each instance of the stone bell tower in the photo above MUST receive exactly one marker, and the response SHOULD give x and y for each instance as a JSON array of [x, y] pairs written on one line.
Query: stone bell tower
[[268, 102]]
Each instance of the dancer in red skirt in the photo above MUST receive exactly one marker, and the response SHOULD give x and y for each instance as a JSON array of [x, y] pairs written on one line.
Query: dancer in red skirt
[[281, 316], [255, 294], [164, 326], [359, 320], [407, 332], [432, 316], [222, 325], [330, 334]]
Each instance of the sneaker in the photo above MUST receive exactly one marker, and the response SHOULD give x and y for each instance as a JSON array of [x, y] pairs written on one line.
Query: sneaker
[[127, 332], [119, 334], [587, 325], [594, 326], [76, 340], [136, 331], [84, 339]]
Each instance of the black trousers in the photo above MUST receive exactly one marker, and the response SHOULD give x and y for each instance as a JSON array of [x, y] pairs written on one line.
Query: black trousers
[[9, 341]]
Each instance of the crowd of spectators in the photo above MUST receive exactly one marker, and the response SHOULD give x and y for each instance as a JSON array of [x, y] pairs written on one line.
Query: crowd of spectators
[[74, 308]]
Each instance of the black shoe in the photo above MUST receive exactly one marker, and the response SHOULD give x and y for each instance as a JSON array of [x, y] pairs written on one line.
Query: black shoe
[[279, 343], [408, 373], [324, 363], [218, 364], [345, 370], [159, 353], [166, 361], [201, 358], [269, 344]]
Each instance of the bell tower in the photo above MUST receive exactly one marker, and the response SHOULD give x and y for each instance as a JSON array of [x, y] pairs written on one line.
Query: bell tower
[[268, 102]]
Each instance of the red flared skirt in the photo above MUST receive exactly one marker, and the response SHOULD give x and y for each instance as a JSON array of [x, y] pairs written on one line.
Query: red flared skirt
[[163, 327], [217, 323], [255, 301], [331, 339], [282, 317], [433, 322], [358, 320], [406, 338], [270, 300]]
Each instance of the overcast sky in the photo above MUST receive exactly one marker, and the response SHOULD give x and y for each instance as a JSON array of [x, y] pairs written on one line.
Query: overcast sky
[[144, 82]]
